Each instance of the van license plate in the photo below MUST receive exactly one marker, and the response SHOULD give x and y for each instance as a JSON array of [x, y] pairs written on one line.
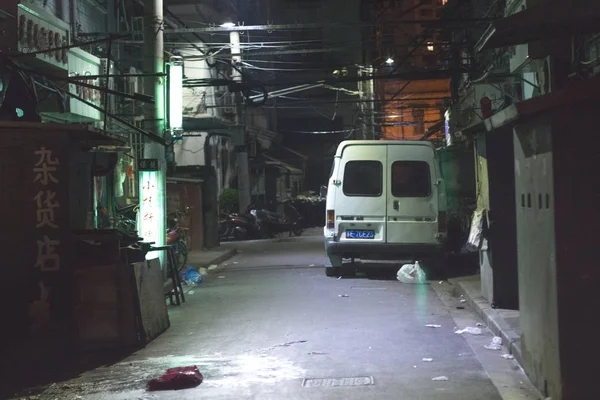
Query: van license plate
[[360, 234]]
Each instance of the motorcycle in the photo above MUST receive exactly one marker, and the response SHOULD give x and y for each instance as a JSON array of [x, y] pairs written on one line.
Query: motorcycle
[[241, 227], [272, 223], [261, 224]]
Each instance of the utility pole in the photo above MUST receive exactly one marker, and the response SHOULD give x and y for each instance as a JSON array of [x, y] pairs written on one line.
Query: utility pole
[[154, 114], [241, 142], [371, 103]]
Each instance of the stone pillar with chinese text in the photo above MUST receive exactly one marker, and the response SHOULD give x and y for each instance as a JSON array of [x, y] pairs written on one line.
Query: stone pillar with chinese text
[[48, 199]]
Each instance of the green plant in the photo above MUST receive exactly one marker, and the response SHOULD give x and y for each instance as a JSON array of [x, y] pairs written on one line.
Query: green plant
[[228, 201]]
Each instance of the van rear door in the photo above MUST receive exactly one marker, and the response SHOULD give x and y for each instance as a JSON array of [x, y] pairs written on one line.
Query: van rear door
[[412, 198], [360, 201]]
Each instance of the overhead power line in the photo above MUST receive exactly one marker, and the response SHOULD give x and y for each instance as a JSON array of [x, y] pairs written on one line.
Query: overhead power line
[[443, 73], [268, 53], [282, 27]]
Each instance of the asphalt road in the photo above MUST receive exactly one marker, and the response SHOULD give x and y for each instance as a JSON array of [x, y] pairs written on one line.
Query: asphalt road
[[271, 325]]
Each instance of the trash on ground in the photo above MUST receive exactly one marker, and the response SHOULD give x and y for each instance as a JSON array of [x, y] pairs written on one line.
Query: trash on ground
[[441, 282], [463, 301], [440, 378], [460, 308], [221, 276], [411, 273], [214, 266], [343, 295], [203, 271], [316, 353], [433, 326], [311, 265], [428, 359], [469, 329], [339, 277], [192, 276], [479, 324], [508, 356], [191, 292], [235, 262], [496, 344], [176, 378]]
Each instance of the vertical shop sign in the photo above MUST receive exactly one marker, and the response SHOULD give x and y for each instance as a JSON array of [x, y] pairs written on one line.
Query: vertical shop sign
[[150, 213], [46, 180], [46, 249]]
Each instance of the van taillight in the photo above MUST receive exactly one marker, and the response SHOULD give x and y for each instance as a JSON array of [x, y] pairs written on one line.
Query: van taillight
[[442, 221], [330, 219]]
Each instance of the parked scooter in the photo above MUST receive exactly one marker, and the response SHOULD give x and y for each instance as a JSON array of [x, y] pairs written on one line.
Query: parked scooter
[[261, 224], [273, 223], [241, 227]]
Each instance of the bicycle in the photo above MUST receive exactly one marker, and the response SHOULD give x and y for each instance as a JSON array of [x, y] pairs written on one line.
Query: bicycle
[[177, 237]]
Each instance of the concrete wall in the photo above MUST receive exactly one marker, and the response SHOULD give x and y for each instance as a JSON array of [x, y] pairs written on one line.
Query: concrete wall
[[190, 150]]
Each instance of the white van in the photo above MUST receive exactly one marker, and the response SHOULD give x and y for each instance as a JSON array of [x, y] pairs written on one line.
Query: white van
[[385, 201]]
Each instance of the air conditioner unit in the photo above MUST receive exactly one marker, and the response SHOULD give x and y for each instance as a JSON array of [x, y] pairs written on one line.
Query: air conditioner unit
[[133, 83]]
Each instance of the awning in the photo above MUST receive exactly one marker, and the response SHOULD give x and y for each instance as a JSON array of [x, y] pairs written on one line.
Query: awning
[[432, 130], [553, 19], [471, 130], [574, 93], [272, 161], [300, 155], [80, 133], [206, 123], [175, 179]]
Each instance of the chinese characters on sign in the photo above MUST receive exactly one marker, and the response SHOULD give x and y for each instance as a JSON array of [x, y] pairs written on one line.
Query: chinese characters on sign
[[148, 189], [148, 164], [45, 172], [151, 215]]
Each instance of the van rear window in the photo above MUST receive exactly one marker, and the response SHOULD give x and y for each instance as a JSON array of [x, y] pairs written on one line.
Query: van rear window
[[411, 179], [363, 178]]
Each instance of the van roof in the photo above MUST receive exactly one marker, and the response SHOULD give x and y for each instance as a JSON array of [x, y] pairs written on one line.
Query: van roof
[[346, 143]]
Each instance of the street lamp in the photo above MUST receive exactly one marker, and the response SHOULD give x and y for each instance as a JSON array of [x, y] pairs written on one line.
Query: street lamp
[[227, 25], [389, 61]]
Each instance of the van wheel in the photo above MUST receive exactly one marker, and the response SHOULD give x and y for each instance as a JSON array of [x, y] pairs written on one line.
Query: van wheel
[[333, 272]]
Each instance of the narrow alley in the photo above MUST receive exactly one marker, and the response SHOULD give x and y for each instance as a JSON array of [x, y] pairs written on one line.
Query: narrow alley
[[271, 325]]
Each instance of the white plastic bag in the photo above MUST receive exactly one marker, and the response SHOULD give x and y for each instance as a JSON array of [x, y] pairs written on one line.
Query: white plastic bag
[[496, 344], [469, 329], [412, 273]]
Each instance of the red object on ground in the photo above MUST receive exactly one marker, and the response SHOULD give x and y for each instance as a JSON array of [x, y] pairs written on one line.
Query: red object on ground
[[176, 378]]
